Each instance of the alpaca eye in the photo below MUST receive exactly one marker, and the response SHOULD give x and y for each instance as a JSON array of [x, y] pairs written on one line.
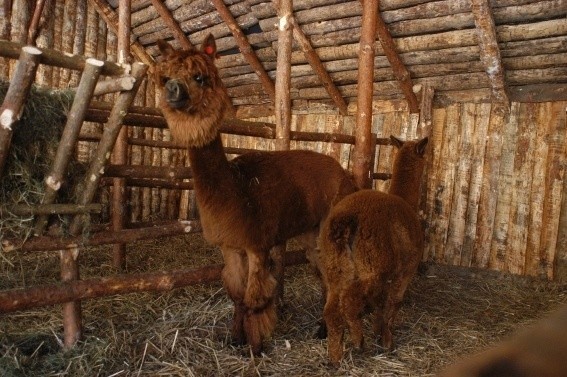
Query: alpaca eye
[[199, 78], [164, 80]]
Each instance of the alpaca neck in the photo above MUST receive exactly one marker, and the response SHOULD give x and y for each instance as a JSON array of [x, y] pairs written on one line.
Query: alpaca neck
[[209, 165], [405, 183]]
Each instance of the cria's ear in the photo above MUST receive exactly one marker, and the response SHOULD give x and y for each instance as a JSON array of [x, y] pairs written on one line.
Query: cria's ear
[[209, 46], [397, 142], [165, 48], [421, 145]]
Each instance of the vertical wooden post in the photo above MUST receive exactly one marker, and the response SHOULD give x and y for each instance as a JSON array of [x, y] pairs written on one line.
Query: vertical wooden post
[[560, 263], [120, 153], [283, 111], [283, 76], [72, 317], [363, 139], [13, 104]]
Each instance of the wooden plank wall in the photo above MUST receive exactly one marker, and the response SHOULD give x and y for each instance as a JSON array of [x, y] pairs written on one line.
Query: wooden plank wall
[[495, 182]]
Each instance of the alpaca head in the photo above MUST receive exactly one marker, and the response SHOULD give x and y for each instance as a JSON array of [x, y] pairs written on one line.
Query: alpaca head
[[193, 98], [410, 154]]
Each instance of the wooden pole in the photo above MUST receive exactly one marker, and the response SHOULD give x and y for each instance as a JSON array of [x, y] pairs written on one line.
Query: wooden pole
[[34, 24], [282, 113], [245, 48], [363, 132], [283, 76], [46, 243], [107, 142], [400, 71], [120, 152], [56, 58], [172, 24], [69, 137], [13, 104], [21, 299], [489, 50], [313, 59]]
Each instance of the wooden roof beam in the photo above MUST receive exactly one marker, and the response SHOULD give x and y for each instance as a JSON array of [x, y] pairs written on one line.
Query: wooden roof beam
[[172, 24], [489, 50], [315, 62], [111, 19], [246, 48], [400, 71]]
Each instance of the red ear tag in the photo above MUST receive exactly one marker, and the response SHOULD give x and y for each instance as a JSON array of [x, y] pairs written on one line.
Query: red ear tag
[[209, 50]]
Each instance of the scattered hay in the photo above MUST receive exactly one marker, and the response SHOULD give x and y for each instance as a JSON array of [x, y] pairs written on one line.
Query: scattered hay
[[447, 312]]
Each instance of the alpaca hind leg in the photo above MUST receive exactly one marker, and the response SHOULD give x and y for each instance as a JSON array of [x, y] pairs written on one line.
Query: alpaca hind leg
[[278, 270], [261, 286], [335, 329], [391, 308], [260, 319], [352, 307], [259, 325], [234, 276]]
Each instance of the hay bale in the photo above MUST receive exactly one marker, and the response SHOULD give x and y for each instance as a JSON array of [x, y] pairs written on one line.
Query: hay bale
[[34, 144]]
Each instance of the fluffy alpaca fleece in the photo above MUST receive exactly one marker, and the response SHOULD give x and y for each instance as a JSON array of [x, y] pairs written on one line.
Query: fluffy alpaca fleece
[[250, 204], [371, 246]]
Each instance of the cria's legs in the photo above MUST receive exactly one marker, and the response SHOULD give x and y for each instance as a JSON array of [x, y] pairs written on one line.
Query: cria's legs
[[352, 306], [234, 276], [391, 308], [335, 328]]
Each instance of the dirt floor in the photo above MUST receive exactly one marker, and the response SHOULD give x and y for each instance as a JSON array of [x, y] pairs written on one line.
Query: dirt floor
[[448, 312]]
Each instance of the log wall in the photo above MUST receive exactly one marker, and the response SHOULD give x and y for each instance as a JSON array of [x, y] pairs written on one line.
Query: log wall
[[494, 195]]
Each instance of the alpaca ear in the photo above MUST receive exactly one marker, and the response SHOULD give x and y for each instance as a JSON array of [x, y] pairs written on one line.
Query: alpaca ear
[[165, 48], [396, 142], [421, 145], [209, 47]]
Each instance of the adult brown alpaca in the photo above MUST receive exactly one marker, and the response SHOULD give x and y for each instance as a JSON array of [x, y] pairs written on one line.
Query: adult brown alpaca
[[249, 204], [371, 246]]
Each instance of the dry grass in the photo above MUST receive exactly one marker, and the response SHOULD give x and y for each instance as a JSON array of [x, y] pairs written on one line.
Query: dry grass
[[448, 312]]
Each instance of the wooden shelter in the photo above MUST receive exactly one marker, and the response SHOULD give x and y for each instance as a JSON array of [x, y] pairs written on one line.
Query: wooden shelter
[[486, 80]]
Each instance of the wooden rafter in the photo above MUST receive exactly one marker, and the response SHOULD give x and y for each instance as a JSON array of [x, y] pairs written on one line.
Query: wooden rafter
[[111, 19], [173, 25], [400, 71], [315, 62], [489, 50], [246, 48]]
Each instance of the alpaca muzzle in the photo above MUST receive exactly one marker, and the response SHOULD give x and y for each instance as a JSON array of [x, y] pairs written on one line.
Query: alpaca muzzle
[[176, 94]]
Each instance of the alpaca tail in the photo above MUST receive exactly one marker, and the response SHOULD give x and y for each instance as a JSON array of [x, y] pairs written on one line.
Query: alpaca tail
[[342, 230]]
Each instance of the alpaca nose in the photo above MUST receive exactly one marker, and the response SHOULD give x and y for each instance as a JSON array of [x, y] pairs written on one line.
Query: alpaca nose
[[176, 93]]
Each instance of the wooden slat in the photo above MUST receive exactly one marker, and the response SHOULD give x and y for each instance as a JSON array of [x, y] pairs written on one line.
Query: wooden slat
[[400, 71], [172, 24], [245, 48], [479, 138]]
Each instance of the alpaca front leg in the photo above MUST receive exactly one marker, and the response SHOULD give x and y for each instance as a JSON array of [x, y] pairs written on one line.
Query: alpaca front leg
[[234, 275]]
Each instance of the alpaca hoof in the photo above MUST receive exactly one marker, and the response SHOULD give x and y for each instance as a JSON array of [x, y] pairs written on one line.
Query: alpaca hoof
[[321, 332]]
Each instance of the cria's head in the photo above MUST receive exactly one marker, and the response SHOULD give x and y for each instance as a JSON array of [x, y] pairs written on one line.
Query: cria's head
[[192, 97]]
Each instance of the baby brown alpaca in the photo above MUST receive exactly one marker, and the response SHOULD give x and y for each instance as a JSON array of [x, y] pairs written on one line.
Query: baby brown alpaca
[[371, 246], [247, 205]]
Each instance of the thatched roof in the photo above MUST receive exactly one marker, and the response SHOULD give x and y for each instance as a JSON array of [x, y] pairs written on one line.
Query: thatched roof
[[476, 50]]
